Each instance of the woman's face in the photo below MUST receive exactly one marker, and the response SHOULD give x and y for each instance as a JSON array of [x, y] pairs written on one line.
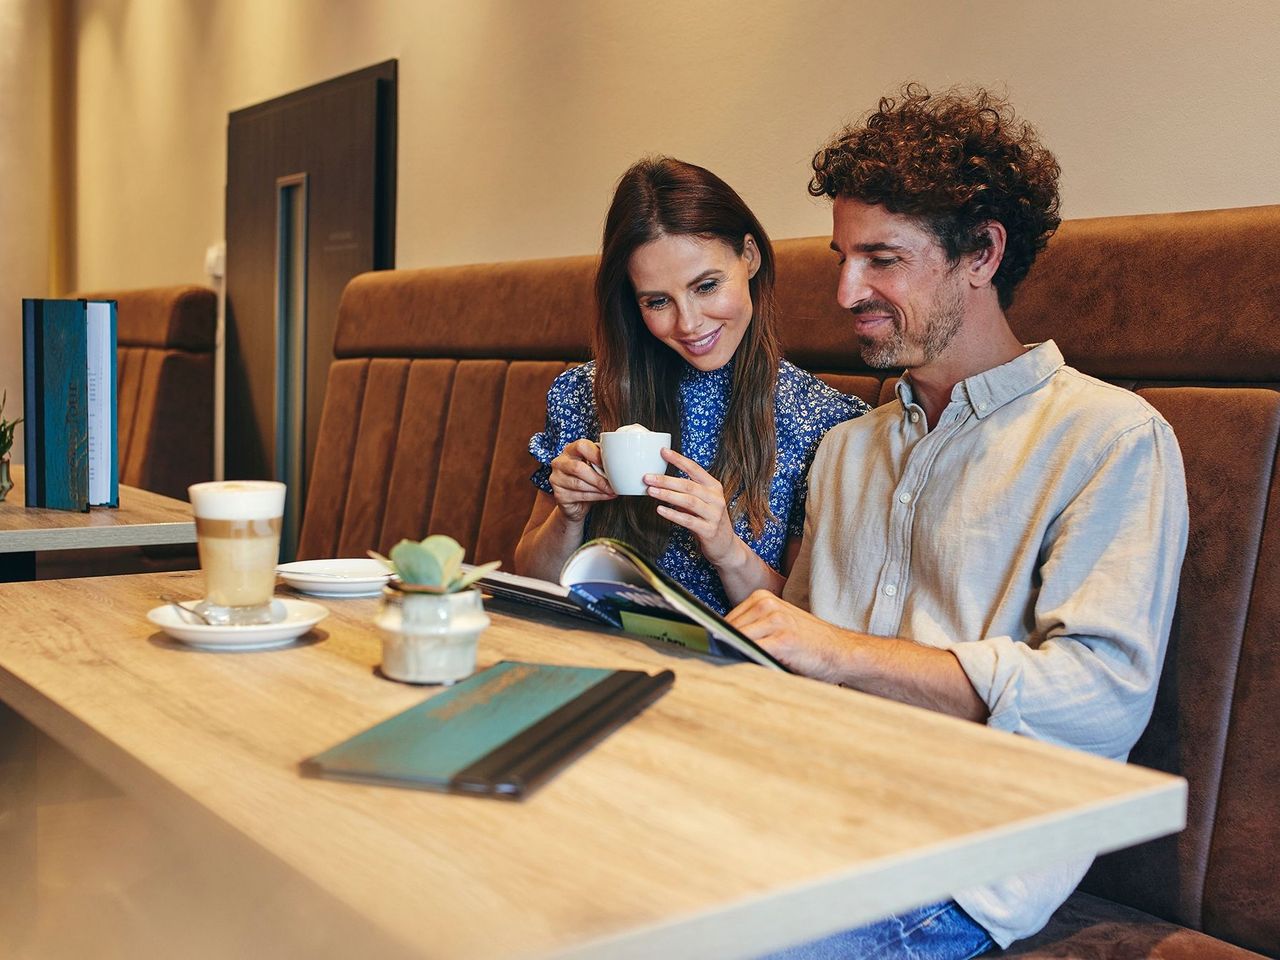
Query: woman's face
[[693, 294]]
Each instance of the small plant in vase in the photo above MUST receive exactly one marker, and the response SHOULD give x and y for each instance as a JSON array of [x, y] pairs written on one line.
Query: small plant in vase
[[431, 616], [6, 442]]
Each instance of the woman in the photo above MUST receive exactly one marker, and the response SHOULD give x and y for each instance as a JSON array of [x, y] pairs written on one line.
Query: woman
[[685, 343]]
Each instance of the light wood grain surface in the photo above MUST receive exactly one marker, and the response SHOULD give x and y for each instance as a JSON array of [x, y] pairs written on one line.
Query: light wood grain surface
[[743, 811], [143, 518]]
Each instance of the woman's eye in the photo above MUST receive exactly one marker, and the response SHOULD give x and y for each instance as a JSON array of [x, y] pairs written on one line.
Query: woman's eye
[[654, 303], [706, 286]]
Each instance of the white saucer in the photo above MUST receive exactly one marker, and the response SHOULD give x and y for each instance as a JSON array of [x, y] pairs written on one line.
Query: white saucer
[[353, 577], [294, 618]]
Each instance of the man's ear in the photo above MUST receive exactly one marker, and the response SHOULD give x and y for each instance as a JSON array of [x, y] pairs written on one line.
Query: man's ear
[[983, 264], [752, 254]]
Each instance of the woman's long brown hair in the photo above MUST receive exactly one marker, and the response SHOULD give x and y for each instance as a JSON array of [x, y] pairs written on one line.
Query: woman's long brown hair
[[638, 377]]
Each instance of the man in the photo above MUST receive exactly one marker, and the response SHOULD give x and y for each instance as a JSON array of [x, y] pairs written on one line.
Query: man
[[1003, 541]]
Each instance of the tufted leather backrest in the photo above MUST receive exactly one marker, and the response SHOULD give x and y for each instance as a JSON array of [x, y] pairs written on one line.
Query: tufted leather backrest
[[441, 376], [164, 374]]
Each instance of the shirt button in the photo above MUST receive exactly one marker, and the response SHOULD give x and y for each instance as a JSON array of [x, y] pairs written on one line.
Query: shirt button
[[981, 407], [890, 590], [915, 417], [904, 497]]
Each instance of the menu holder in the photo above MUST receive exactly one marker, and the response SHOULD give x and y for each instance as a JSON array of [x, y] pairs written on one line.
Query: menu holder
[[69, 389], [500, 733]]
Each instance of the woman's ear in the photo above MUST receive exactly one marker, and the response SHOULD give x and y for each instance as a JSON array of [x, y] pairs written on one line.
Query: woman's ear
[[985, 262], [752, 255]]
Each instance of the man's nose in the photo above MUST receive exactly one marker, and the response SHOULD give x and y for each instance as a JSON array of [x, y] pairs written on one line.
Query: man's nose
[[851, 288]]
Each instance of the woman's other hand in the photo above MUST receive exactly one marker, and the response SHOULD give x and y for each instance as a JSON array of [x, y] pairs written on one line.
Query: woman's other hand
[[578, 480], [698, 505]]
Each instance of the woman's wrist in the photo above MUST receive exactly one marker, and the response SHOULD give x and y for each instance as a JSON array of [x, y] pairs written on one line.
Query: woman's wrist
[[736, 560]]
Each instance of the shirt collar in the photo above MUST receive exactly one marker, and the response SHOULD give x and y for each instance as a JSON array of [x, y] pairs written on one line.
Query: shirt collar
[[986, 392]]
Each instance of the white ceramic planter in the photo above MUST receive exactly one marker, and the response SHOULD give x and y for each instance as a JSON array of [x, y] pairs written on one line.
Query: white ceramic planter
[[430, 637]]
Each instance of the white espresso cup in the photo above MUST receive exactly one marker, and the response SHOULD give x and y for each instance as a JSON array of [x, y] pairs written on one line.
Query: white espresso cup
[[628, 455], [238, 538]]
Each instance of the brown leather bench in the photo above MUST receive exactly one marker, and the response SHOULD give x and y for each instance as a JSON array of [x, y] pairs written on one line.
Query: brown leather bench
[[164, 377], [164, 386], [440, 377]]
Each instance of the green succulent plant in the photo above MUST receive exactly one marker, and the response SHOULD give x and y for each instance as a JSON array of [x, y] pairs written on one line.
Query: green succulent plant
[[433, 565], [6, 427]]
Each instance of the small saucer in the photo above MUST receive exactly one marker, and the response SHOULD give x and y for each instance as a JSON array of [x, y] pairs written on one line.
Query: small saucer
[[293, 618], [352, 577]]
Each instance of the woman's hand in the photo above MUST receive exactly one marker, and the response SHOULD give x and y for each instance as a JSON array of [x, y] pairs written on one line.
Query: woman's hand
[[697, 504], [575, 481]]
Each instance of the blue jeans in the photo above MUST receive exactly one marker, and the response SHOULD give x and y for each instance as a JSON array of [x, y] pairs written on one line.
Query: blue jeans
[[940, 931]]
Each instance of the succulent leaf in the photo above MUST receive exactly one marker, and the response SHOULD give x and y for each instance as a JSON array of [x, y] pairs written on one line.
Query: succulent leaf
[[471, 576], [417, 564], [448, 553]]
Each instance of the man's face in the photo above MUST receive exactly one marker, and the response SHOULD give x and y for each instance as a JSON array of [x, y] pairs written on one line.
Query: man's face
[[906, 298]]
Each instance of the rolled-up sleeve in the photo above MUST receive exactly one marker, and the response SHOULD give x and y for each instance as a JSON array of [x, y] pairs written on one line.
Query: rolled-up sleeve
[[571, 415], [1108, 570]]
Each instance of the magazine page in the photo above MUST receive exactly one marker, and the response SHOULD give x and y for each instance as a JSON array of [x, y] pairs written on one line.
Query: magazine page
[[531, 590], [618, 585]]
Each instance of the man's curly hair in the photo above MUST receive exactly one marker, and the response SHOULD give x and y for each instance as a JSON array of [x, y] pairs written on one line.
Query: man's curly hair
[[952, 161]]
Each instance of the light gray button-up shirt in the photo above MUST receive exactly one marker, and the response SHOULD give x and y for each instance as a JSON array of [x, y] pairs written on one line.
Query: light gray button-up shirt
[[1037, 532]]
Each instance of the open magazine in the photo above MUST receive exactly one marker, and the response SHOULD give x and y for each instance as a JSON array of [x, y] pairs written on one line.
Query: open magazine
[[606, 581]]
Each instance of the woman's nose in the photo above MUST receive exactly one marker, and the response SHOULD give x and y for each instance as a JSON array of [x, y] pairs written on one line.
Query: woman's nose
[[688, 319]]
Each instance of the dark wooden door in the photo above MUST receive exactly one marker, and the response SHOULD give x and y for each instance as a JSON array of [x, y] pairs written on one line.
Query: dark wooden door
[[311, 184]]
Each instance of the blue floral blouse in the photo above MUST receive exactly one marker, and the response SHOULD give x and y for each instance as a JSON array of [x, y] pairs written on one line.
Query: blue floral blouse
[[805, 408]]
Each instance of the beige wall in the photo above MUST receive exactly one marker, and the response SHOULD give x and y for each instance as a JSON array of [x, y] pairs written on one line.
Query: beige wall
[[25, 143], [516, 116]]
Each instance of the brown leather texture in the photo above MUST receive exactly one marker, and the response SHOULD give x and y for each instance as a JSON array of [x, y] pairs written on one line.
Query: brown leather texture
[[441, 378], [164, 385], [1090, 928]]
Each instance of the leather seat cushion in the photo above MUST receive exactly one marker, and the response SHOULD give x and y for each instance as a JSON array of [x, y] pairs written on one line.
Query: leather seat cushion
[[1090, 928]]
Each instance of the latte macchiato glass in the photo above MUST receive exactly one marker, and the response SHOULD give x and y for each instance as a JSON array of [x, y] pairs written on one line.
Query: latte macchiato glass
[[628, 454], [238, 537]]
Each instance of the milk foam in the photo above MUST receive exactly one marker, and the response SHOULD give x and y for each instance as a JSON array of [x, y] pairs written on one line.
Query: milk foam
[[632, 428], [237, 499]]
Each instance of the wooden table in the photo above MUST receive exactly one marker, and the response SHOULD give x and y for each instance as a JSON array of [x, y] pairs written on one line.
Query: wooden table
[[743, 811], [142, 519]]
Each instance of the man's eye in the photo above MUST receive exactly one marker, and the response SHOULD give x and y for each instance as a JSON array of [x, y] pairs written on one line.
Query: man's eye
[[884, 261]]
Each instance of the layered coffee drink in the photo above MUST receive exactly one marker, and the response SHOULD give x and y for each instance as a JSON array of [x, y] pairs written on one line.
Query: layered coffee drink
[[238, 537]]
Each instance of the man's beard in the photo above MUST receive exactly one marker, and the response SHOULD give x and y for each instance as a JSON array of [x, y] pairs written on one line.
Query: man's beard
[[897, 350]]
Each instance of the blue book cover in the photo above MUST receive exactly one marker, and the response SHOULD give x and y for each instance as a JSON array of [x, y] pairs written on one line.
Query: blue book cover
[[69, 392], [499, 733]]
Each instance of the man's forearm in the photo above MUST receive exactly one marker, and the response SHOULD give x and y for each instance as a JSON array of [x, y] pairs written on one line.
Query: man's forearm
[[887, 666], [911, 673]]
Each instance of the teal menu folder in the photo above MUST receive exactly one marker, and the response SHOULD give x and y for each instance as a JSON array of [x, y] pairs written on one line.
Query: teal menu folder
[[69, 394], [499, 733]]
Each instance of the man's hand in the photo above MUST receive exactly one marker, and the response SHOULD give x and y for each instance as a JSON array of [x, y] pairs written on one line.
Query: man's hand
[[886, 666], [803, 642]]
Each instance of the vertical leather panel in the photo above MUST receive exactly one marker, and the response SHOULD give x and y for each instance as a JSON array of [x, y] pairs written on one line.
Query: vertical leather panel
[[1242, 889], [509, 495], [179, 449], [467, 452], [374, 451], [333, 465], [888, 390], [143, 447], [1228, 470], [128, 380], [416, 467], [862, 387]]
